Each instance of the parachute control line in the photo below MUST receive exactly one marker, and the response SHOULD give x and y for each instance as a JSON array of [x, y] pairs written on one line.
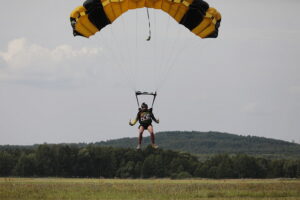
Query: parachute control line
[[196, 15], [148, 16]]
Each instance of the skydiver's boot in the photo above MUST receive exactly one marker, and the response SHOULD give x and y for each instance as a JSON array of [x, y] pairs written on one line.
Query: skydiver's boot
[[138, 147], [154, 146]]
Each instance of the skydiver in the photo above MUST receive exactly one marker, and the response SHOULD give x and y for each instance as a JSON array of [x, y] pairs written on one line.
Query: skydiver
[[145, 117]]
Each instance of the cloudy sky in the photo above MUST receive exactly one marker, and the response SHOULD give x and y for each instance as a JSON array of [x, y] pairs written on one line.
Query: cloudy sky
[[56, 88]]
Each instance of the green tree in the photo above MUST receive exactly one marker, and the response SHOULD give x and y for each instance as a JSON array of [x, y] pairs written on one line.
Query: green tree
[[153, 166], [84, 163], [26, 165], [225, 169], [46, 160], [66, 159], [127, 170], [246, 166], [298, 169], [138, 169], [7, 163], [276, 167], [290, 169]]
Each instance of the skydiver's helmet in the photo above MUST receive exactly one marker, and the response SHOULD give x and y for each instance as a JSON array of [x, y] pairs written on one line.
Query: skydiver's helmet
[[144, 106]]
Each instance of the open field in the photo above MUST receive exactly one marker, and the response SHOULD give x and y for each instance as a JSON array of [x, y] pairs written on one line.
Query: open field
[[154, 189]]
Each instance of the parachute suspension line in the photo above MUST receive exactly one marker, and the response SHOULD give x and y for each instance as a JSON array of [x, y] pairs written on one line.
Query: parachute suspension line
[[163, 53], [172, 45], [174, 55], [175, 42], [116, 64], [115, 41], [149, 37], [138, 50], [136, 45], [155, 39], [128, 51], [116, 57], [184, 47]]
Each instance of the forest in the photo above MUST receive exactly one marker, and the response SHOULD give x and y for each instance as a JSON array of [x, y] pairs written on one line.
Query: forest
[[75, 160]]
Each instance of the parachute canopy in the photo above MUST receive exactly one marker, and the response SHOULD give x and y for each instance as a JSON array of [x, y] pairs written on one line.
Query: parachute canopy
[[196, 15]]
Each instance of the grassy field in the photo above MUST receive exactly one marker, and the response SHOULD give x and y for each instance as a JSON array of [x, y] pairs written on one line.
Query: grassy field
[[154, 189]]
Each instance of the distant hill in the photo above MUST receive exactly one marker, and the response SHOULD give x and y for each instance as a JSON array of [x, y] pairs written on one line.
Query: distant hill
[[209, 143], [201, 144]]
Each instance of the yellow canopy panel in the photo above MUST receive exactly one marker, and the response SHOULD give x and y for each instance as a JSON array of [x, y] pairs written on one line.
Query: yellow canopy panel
[[196, 15]]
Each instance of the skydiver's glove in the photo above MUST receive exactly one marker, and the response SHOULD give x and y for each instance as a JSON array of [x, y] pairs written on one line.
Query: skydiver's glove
[[130, 123], [157, 121]]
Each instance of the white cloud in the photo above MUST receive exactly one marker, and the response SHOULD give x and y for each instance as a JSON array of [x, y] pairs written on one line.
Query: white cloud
[[25, 61]]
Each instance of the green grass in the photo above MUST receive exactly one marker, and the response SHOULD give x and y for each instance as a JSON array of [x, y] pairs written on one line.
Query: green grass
[[151, 189]]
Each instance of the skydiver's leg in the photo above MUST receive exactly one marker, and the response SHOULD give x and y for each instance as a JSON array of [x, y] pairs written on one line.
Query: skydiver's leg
[[151, 131], [141, 130]]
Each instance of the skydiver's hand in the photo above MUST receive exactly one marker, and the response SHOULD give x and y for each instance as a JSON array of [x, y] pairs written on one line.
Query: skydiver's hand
[[130, 123], [157, 121]]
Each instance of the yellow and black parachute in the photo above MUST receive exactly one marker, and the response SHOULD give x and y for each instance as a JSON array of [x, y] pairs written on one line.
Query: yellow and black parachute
[[196, 15]]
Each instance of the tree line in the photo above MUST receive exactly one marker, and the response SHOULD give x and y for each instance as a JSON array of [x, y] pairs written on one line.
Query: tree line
[[63, 160]]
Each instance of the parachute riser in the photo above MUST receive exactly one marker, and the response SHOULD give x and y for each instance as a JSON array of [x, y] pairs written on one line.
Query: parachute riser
[[137, 93]]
